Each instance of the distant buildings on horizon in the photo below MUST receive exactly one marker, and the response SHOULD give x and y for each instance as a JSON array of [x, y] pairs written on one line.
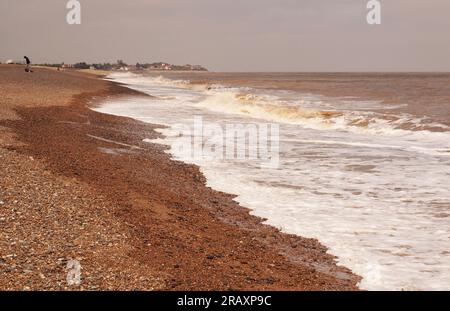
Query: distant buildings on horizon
[[121, 65]]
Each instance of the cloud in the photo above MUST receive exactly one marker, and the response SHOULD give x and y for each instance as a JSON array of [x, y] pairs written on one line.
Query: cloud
[[249, 35]]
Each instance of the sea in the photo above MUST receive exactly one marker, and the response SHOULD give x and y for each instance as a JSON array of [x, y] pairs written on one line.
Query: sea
[[363, 159]]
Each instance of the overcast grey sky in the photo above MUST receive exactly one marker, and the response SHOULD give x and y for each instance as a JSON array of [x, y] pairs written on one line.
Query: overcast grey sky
[[226, 35]]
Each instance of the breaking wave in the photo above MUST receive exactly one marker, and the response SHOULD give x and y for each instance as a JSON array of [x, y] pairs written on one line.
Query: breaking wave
[[309, 111], [138, 79], [362, 122]]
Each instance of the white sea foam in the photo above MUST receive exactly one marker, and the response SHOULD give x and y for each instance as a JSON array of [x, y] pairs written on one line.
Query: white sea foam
[[377, 192]]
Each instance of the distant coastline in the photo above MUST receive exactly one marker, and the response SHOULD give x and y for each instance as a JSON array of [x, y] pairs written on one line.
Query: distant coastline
[[120, 65]]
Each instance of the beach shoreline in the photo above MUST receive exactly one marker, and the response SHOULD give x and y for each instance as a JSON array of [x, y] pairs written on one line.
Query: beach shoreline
[[160, 227]]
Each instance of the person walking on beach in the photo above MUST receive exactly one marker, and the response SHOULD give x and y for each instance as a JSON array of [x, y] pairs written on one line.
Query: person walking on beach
[[28, 62]]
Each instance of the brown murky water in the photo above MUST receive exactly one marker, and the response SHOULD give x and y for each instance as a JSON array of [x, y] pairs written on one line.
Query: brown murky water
[[421, 94]]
